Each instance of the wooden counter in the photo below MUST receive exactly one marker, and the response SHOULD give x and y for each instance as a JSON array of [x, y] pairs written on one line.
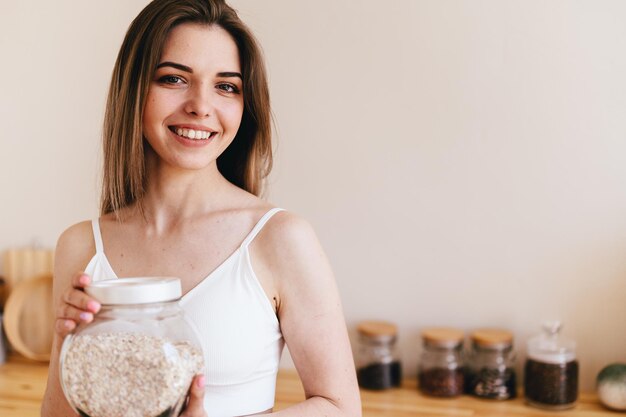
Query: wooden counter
[[22, 384]]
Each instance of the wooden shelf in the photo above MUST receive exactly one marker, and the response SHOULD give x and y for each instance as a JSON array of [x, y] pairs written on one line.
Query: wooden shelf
[[22, 385], [407, 401]]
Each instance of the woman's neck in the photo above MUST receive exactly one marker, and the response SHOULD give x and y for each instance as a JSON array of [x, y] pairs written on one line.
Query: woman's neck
[[174, 195]]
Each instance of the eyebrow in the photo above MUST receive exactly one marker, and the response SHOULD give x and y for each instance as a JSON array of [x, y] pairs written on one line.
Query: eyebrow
[[230, 75], [175, 65], [185, 68]]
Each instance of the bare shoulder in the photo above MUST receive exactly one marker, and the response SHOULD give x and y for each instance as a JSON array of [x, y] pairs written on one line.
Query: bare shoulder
[[292, 254], [77, 240], [74, 248], [288, 232]]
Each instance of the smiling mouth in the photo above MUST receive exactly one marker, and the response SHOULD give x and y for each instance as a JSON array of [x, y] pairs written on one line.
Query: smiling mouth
[[192, 134]]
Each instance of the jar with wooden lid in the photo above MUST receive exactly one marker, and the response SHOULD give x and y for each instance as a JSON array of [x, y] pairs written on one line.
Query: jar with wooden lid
[[551, 370], [440, 370], [377, 358], [490, 370]]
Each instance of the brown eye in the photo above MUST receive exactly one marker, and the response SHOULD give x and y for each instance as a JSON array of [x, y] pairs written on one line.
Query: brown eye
[[171, 79], [228, 88]]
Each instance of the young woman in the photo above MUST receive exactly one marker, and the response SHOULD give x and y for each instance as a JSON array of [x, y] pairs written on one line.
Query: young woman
[[186, 147]]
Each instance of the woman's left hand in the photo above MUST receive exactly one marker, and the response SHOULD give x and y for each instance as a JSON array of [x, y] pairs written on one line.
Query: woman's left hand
[[195, 404]]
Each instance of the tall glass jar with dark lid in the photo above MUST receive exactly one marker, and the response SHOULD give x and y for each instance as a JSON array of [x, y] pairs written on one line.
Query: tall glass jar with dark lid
[[377, 359], [551, 370], [490, 369], [440, 370]]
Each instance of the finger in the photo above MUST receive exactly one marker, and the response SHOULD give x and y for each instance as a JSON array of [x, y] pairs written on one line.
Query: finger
[[195, 406], [81, 280], [77, 298], [63, 326], [69, 312]]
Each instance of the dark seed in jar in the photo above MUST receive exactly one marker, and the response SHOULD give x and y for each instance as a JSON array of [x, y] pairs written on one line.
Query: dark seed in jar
[[380, 375], [441, 382], [492, 383], [551, 384]]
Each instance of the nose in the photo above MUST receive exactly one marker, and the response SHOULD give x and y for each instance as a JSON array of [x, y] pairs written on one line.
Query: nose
[[199, 102]]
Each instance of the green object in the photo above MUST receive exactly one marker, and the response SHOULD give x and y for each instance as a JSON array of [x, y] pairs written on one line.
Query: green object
[[615, 372], [611, 386]]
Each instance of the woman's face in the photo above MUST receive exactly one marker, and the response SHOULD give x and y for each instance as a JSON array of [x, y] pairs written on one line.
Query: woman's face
[[195, 102]]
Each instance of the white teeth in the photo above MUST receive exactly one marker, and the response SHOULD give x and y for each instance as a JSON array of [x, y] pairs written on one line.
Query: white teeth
[[192, 134]]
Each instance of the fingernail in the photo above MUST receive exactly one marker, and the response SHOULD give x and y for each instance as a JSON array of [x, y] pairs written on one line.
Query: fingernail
[[84, 279], [200, 382], [84, 316], [69, 324], [93, 306]]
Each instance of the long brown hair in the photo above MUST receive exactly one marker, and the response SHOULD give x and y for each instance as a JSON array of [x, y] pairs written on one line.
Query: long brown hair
[[248, 159]]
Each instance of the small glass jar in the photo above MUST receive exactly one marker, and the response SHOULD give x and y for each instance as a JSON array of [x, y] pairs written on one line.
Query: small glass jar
[[490, 370], [440, 371], [137, 357], [551, 370], [377, 360]]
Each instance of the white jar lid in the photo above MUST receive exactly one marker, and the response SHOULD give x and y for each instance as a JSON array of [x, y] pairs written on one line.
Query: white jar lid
[[141, 290]]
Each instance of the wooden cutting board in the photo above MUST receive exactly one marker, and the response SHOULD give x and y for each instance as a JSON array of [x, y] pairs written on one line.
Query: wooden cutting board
[[29, 317], [23, 264]]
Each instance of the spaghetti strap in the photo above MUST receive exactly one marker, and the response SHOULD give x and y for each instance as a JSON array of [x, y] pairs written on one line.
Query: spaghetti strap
[[257, 228], [97, 236]]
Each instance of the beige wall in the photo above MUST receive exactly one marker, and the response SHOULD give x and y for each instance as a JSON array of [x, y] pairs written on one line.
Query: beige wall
[[464, 162]]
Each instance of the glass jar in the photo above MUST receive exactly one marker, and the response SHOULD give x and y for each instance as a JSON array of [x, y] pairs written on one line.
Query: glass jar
[[137, 357], [440, 371], [377, 360], [551, 370], [490, 370]]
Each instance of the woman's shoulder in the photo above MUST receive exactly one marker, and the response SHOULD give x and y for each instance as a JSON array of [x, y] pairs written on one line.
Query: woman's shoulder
[[288, 233], [76, 244], [290, 256], [286, 225], [76, 234]]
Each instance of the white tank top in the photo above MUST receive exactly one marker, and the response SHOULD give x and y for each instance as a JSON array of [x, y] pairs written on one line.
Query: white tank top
[[237, 325]]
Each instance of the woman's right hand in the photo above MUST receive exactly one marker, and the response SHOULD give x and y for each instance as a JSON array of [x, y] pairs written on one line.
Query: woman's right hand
[[195, 399], [76, 306]]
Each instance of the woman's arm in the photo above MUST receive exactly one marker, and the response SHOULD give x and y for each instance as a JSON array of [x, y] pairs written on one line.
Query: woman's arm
[[74, 249], [311, 318]]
